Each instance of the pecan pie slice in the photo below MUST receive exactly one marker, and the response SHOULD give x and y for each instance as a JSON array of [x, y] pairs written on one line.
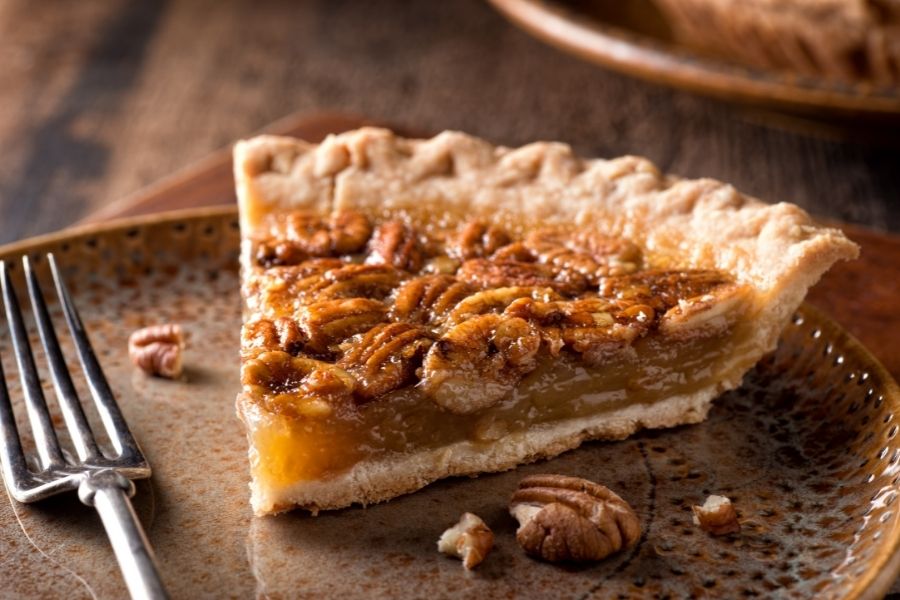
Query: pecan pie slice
[[417, 309]]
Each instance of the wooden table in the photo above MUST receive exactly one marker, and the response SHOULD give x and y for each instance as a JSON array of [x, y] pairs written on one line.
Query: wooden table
[[101, 99]]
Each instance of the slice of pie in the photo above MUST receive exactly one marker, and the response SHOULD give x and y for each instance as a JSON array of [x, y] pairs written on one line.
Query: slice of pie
[[417, 309]]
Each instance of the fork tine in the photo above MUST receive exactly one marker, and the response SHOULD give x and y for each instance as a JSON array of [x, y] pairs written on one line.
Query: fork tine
[[111, 415], [73, 413], [12, 459], [41, 426]]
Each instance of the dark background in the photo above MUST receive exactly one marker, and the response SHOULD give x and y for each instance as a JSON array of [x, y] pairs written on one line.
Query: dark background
[[98, 99]]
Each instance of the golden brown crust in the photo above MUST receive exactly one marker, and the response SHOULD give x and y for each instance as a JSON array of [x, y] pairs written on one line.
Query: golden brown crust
[[774, 251]]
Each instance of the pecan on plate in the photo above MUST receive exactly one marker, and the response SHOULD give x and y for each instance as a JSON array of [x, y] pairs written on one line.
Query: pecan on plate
[[717, 516], [571, 519], [469, 540], [157, 350]]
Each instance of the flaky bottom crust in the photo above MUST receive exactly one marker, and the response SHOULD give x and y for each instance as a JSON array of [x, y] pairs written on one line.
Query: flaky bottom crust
[[377, 480]]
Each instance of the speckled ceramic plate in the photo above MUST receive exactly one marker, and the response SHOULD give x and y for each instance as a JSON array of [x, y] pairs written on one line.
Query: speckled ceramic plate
[[807, 449], [632, 37]]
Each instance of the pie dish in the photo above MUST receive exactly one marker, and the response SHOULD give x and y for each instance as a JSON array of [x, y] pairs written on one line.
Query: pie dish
[[417, 309], [842, 39]]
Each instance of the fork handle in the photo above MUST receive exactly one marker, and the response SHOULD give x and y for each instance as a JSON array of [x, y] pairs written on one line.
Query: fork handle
[[109, 491]]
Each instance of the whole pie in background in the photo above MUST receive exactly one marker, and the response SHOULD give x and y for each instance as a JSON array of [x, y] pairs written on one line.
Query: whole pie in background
[[842, 39], [417, 309]]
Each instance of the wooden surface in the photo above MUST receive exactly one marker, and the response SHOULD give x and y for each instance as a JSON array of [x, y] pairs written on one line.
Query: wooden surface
[[102, 98]]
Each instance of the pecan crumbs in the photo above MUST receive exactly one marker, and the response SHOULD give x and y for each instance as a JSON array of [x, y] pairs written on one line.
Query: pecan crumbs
[[717, 516], [469, 540]]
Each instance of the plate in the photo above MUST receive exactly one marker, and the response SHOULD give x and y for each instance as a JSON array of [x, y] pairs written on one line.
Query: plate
[[807, 449], [633, 38]]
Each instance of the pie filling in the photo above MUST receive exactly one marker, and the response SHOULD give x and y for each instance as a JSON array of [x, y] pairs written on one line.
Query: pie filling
[[373, 339]]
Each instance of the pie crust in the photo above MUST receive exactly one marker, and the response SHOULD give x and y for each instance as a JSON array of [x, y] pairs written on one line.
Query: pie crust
[[842, 39], [776, 252]]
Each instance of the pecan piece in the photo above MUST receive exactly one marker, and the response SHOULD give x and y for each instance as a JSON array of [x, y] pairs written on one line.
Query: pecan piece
[[591, 326], [509, 273], [423, 299], [590, 254], [352, 281], [717, 516], [476, 239], [385, 358], [282, 333], [397, 244], [476, 363], [571, 519], [300, 235], [327, 323], [496, 300], [296, 385], [690, 303], [470, 540], [277, 290], [156, 350], [662, 289]]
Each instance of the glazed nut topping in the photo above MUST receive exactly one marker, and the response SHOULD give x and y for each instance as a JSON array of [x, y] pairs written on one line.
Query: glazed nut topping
[[469, 540], [571, 519], [717, 516], [463, 314], [157, 350]]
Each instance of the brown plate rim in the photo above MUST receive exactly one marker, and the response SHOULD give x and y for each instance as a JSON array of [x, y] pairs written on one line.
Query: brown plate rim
[[874, 583], [653, 60]]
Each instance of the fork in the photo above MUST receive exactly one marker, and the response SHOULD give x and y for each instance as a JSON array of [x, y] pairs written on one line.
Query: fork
[[102, 480]]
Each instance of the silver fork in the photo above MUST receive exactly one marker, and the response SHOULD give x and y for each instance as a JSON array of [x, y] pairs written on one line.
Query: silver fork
[[102, 481]]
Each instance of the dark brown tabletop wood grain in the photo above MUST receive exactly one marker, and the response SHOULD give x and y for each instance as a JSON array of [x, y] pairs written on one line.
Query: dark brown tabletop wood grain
[[100, 99]]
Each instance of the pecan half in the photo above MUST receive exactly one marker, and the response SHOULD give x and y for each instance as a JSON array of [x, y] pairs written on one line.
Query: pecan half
[[157, 349], [423, 299], [397, 244], [327, 323], [510, 273], [470, 540], [352, 281], [590, 254], [385, 358], [592, 327], [476, 363], [717, 516], [662, 289], [282, 333], [571, 519], [496, 300], [296, 385], [476, 239], [300, 235]]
